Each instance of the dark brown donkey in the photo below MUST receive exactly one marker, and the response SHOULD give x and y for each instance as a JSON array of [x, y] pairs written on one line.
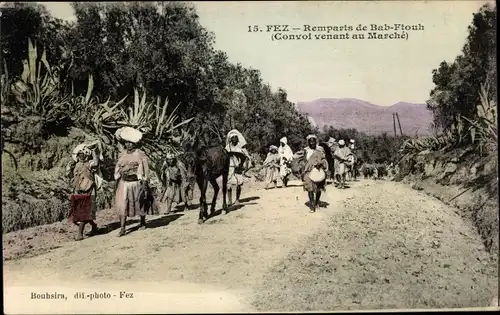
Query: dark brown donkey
[[209, 161]]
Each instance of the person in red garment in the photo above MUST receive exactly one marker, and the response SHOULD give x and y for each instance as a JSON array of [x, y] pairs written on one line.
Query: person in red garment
[[83, 200]]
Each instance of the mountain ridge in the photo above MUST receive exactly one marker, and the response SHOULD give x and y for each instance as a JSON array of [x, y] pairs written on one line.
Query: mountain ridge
[[367, 117]]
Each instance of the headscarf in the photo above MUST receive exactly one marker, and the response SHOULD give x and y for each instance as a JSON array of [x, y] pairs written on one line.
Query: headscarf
[[241, 140], [272, 158], [240, 147], [311, 137], [342, 152], [81, 148], [310, 151], [285, 151]]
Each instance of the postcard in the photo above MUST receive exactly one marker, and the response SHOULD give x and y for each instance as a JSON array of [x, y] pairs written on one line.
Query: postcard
[[249, 156]]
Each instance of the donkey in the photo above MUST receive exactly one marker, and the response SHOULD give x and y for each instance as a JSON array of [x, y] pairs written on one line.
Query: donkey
[[209, 162]]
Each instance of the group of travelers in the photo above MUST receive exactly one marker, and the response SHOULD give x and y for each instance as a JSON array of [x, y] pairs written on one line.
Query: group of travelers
[[132, 175], [315, 169], [277, 164], [343, 171]]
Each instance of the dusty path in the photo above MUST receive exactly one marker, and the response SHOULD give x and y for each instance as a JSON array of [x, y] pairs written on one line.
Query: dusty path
[[232, 263]]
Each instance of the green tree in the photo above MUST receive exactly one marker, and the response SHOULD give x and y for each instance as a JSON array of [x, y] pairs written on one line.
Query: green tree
[[457, 84]]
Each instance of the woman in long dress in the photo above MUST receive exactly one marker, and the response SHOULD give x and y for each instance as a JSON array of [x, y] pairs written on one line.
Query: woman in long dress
[[239, 160], [272, 165], [84, 187], [132, 175], [286, 156], [315, 158]]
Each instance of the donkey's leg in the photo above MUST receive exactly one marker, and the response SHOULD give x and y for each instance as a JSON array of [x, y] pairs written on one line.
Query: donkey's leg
[[216, 188], [205, 205], [230, 195], [224, 193], [203, 190]]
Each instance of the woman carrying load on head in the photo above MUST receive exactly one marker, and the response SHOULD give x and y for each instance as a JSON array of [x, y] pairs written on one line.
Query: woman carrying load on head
[[314, 174], [286, 156], [239, 160], [176, 182], [272, 165], [132, 175], [85, 185]]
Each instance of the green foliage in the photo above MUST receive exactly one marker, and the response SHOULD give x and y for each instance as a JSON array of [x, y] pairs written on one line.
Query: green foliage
[[371, 148], [78, 77], [38, 91], [481, 131], [484, 129], [24, 21], [457, 83], [31, 198], [454, 99]]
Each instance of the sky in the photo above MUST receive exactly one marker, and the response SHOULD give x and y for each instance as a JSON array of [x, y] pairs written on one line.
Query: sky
[[379, 71]]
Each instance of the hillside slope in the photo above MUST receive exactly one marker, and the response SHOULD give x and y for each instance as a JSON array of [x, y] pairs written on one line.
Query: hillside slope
[[367, 117]]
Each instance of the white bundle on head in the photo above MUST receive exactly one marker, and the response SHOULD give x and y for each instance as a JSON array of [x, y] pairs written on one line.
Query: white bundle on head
[[129, 134]]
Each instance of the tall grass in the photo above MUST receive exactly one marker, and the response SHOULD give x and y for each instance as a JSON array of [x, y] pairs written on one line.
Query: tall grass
[[481, 131]]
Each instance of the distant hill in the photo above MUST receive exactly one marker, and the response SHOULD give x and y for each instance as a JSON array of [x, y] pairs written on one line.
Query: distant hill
[[367, 117]]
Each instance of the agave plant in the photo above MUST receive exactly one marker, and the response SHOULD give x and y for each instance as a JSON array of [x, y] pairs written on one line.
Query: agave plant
[[484, 129], [39, 92], [140, 114], [4, 84], [99, 118], [164, 134]]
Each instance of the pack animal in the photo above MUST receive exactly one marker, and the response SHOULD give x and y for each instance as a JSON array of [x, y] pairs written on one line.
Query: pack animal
[[211, 162]]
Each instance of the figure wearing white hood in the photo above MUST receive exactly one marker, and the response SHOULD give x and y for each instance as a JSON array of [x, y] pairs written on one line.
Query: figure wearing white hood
[[286, 156], [342, 155], [240, 161]]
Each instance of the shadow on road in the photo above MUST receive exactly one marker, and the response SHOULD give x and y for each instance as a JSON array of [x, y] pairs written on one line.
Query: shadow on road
[[110, 227], [322, 204], [179, 209], [243, 202], [248, 199], [159, 222], [345, 187], [292, 185]]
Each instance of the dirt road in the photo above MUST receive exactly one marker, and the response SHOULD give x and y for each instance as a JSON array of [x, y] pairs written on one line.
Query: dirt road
[[377, 244]]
